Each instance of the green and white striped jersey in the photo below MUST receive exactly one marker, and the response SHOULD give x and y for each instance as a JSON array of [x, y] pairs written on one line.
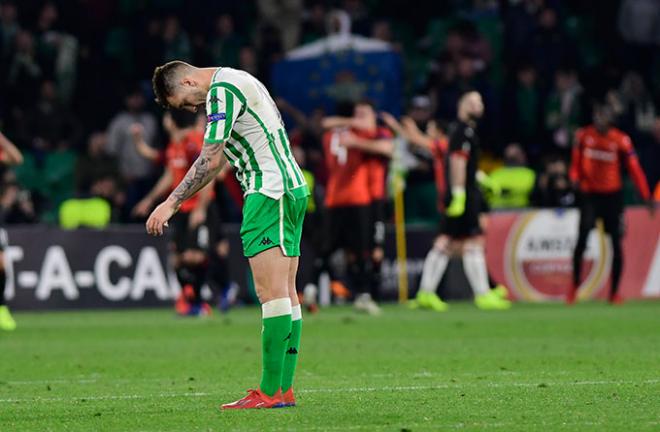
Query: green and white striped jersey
[[242, 114]]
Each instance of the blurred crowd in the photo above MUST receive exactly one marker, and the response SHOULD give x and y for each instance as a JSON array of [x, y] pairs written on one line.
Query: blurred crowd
[[75, 83]]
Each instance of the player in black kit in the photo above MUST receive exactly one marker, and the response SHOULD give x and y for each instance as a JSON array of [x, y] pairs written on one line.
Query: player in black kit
[[464, 202]]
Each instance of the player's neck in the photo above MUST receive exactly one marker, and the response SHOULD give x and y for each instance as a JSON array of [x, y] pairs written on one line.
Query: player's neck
[[206, 76], [467, 120], [602, 130]]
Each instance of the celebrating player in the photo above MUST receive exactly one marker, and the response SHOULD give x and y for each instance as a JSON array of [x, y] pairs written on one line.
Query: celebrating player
[[437, 259], [245, 127], [196, 223], [9, 155], [598, 152], [355, 150]]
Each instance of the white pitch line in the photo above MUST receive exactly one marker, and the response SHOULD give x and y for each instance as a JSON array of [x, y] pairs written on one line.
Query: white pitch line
[[344, 390], [462, 385], [106, 397], [445, 425]]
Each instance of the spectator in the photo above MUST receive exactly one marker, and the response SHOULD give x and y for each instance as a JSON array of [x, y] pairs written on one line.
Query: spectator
[[524, 109], [16, 205], [285, 16], [382, 30], [519, 26], [9, 29], [58, 52], [247, 60], [639, 21], [514, 181], [226, 44], [50, 123], [637, 108], [58, 176], [96, 165], [176, 41], [563, 109], [549, 46], [553, 187], [359, 14], [150, 44], [313, 26], [136, 171], [24, 74]]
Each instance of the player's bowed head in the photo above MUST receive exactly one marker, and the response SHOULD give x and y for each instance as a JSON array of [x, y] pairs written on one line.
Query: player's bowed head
[[180, 85]]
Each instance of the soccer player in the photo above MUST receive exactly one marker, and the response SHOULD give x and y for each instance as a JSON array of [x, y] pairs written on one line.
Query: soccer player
[[598, 153], [9, 155], [245, 127], [436, 260], [461, 231], [354, 149], [196, 223]]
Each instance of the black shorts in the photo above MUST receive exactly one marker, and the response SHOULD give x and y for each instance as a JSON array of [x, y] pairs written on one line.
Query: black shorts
[[608, 207], [349, 227], [467, 224], [203, 237]]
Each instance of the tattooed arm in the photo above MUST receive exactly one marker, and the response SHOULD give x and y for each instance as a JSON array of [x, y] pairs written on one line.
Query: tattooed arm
[[205, 168]]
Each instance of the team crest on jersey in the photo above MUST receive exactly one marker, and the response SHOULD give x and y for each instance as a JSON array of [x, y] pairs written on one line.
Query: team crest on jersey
[[216, 117]]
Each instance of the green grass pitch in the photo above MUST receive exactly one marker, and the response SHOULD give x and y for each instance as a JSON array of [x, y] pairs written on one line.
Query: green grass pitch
[[534, 368]]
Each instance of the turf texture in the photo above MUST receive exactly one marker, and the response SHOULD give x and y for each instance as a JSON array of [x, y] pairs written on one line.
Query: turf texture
[[534, 368]]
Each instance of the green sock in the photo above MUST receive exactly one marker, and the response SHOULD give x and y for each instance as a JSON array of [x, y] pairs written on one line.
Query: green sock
[[291, 358], [276, 319]]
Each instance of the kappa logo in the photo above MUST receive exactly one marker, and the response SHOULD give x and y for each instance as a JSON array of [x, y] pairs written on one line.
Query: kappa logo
[[292, 351], [266, 241]]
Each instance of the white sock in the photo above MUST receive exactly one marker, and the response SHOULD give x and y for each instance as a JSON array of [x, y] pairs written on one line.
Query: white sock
[[276, 307], [434, 268], [474, 264]]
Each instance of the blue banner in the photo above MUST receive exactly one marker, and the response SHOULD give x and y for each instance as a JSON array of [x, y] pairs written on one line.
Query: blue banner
[[341, 76]]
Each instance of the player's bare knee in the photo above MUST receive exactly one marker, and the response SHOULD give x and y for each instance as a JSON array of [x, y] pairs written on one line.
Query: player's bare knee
[[270, 270]]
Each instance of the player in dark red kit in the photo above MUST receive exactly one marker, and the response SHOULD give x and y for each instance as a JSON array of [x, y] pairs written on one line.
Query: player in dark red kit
[[355, 149], [195, 226], [598, 152], [375, 143]]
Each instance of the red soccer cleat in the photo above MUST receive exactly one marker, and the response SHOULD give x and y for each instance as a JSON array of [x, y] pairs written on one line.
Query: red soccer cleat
[[288, 398], [182, 306], [256, 400], [571, 296], [616, 299]]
